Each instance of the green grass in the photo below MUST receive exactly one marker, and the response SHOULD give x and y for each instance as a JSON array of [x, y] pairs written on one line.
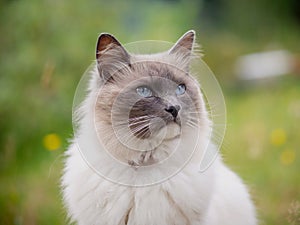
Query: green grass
[[253, 115], [31, 196], [45, 47]]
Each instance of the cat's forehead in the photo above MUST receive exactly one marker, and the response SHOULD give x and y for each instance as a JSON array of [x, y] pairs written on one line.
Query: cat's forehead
[[159, 70]]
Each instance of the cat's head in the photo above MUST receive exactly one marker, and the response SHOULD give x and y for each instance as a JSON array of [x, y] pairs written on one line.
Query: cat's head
[[146, 101]]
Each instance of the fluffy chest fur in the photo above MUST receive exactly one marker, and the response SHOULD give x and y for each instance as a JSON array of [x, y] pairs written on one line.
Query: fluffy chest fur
[[183, 199]]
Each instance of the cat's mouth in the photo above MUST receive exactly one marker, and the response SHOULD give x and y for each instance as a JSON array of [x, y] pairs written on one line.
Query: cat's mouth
[[173, 130], [155, 126]]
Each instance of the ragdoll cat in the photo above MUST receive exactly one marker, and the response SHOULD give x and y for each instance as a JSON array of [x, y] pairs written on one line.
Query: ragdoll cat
[[135, 156]]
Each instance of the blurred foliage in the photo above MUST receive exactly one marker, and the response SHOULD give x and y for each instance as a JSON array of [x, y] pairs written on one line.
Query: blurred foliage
[[47, 45]]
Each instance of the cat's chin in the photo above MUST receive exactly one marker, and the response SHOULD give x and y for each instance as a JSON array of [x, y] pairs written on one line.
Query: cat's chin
[[168, 134], [173, 131]]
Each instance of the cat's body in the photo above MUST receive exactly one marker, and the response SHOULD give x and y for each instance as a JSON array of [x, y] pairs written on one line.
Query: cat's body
[[174, 192]]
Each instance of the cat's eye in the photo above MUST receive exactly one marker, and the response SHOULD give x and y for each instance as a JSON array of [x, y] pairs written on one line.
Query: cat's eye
[[144, 91], [180, 90]]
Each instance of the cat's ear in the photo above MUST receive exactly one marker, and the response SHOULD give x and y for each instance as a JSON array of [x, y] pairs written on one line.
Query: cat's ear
[[111, 56], [183, 49]]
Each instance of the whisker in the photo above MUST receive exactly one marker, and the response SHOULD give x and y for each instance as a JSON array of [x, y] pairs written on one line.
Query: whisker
[[192, 124], [133, 121], [138, 122], [138, 128], [210, 114], [141, 117], [137, 131], [125, 126], [142, 133]]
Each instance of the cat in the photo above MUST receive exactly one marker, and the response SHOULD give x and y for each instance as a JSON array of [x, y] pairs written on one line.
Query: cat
[[135, 156]]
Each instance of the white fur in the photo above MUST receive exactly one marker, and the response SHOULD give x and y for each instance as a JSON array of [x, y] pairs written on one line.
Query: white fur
[[216, 196]]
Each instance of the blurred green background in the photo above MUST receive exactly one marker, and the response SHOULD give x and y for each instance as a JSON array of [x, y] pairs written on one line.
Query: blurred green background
[[45, 47]]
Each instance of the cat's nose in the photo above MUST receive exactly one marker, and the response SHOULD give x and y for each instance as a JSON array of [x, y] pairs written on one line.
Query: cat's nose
[[173, 110]]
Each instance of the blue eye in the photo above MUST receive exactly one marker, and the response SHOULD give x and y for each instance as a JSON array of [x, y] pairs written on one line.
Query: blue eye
[[144, 91], [180, 90]]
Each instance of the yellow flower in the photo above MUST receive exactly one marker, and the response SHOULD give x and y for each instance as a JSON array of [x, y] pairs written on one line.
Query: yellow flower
[[52, 142], [278, 137], [287, 157]]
